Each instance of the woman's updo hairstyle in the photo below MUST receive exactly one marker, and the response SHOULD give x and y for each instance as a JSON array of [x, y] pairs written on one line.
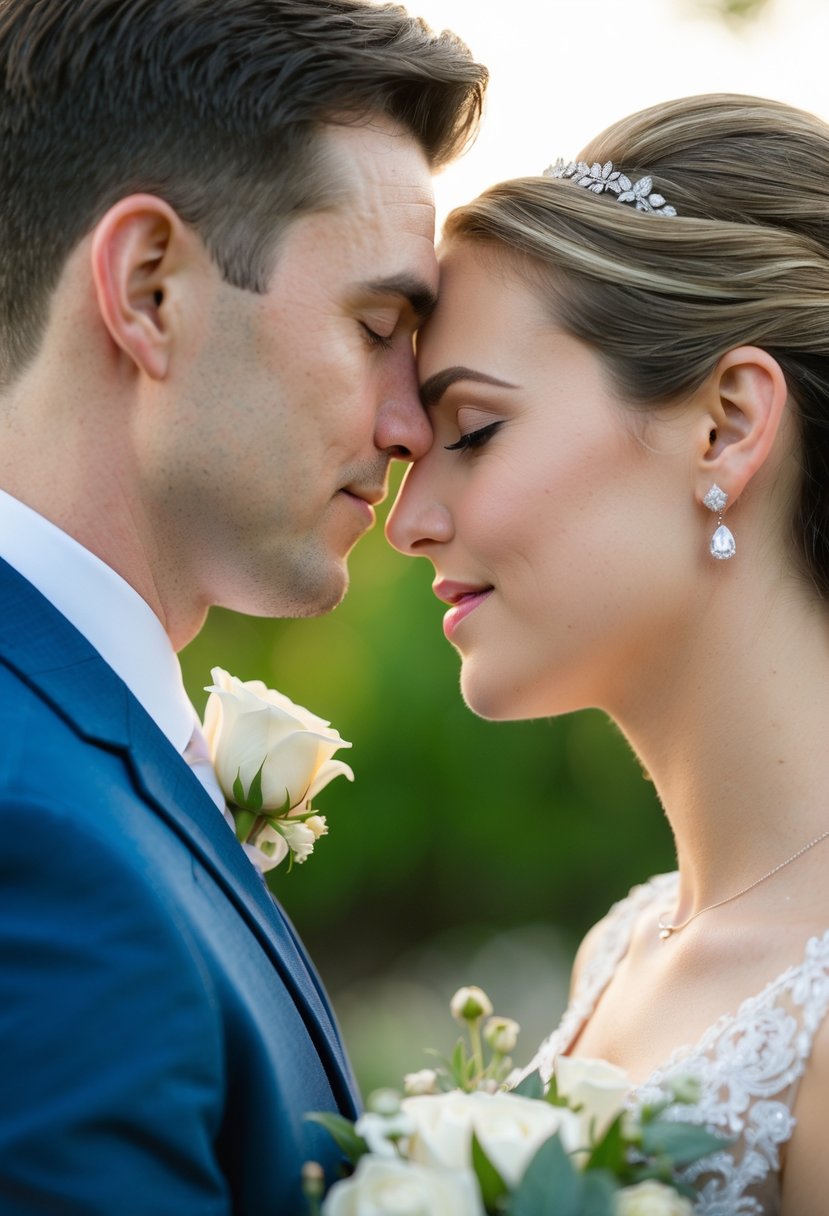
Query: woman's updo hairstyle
[[661, 299]]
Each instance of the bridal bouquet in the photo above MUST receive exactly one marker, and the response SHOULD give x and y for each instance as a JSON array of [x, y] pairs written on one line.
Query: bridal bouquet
[[461, 1144]]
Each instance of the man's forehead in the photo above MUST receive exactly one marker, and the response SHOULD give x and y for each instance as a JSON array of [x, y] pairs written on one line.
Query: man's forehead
[[380, 168]]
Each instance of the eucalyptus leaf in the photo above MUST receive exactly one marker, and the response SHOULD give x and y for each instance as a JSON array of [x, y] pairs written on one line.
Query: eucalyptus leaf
[[342, 1132], [683, 1143], [531, 1086], [492, 1185], [551, 1186], [598, 1199]]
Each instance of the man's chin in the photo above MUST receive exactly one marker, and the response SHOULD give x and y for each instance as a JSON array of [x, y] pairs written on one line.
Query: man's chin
[[307, 597]]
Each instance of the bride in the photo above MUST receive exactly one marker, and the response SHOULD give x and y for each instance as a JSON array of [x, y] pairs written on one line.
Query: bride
[[627, 506]]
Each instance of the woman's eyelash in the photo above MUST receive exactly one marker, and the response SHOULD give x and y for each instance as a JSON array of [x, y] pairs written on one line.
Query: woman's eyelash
[[475, 439], [375, 339]]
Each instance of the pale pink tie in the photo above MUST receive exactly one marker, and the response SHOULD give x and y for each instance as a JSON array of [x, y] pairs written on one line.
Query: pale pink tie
[[197, 755]]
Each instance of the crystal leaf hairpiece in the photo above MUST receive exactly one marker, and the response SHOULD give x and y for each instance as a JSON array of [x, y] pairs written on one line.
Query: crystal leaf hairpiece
[[601, 178]]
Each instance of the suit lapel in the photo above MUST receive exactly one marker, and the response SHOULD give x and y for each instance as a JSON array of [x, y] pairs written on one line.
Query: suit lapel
[[51, 656]]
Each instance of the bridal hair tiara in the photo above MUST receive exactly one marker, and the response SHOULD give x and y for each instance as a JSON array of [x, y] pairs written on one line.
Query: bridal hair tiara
[[600, 178]]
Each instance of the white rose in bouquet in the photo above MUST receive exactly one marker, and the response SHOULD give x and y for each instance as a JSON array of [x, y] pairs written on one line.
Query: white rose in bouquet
[[601, 1089], [385, 1186], [509, 1128], [651, 1198]]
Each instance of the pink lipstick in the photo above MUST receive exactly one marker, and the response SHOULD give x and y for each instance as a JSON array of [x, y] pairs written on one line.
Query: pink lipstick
[[463, 599]]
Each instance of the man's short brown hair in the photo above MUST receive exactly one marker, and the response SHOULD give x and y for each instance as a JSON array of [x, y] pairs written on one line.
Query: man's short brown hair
[[214, 105]]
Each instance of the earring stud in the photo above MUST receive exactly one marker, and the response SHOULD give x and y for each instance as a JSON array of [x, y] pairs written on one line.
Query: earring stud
[[723, 545]]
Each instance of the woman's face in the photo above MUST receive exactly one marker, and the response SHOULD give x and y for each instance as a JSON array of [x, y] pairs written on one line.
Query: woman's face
[[559, 522]]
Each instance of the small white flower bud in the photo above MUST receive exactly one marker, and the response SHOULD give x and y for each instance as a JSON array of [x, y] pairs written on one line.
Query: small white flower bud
[[384, 1102], [470, 1005], [686, 1089], [501, 1034], [423, 1082], [318, 825], [313, 1180]]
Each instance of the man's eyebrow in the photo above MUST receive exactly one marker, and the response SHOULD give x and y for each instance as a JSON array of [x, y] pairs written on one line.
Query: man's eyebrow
[[433, 389], [420, 296]]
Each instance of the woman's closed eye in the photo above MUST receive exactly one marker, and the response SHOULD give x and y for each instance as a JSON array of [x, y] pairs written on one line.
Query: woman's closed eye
[[474, 439]]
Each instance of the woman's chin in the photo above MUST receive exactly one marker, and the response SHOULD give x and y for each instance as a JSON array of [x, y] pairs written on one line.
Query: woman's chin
[[490, 700]]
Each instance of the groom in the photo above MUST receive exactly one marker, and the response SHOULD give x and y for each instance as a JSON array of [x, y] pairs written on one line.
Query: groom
[[216, 235]]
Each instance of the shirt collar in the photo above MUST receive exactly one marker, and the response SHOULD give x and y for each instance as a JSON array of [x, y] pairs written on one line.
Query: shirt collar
[[102, 606]]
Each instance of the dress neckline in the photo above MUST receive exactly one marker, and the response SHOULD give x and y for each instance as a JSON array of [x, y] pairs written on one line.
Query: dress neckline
[[612, 947]]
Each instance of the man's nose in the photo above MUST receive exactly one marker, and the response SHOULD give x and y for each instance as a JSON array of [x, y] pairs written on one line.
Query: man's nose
[[403, 429]]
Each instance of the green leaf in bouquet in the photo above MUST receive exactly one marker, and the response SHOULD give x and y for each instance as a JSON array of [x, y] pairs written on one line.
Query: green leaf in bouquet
[[342, 1132], [683, 1143], [493, 1187], [531, 1086], [459, 1065], [551, 1186], [598, 1195], [610, 1152], [553, 1096]]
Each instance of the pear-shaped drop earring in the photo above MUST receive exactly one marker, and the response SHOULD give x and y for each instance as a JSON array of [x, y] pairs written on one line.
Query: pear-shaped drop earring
[[723, 545]]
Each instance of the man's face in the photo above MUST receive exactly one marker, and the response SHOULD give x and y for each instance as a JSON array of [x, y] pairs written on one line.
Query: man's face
[[291, 404]]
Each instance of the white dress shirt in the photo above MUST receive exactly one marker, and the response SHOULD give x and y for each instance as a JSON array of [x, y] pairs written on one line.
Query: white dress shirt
[[109, 613]]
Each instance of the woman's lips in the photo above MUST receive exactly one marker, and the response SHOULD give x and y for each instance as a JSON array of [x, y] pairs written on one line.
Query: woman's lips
[[464, 599]]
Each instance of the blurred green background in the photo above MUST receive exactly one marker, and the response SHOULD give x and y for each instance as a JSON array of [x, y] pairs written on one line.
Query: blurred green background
[[465, 851]]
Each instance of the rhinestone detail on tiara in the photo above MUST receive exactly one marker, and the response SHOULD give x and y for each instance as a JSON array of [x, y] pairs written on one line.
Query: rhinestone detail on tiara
[[601, 178]]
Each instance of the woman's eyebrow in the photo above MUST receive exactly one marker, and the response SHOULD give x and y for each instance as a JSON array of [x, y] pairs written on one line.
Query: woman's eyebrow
[[433, 389]]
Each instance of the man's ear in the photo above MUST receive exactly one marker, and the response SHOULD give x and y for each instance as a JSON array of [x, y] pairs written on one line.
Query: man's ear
[[137, 248], [745, 399]]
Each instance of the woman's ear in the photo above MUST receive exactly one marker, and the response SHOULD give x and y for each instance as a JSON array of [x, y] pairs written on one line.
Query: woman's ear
[[745, 399], [137, 250]]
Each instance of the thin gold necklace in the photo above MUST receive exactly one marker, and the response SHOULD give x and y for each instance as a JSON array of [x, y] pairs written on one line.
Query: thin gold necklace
[[666, 929]]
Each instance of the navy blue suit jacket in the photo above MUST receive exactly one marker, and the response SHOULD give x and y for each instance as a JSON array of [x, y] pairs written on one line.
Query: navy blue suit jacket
[[161, 1028]]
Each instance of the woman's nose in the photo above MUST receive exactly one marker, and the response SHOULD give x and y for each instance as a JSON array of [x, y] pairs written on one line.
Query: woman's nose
[[418, 518]]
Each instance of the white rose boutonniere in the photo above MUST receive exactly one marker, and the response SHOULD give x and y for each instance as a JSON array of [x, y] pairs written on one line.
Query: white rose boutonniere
[[272, 758]]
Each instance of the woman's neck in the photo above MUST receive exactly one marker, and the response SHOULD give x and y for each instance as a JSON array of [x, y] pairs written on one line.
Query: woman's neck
[[733, 732]]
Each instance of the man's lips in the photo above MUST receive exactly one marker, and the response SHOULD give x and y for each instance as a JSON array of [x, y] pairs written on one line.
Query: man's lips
[[365, 499], [370, 494], [463, 598]]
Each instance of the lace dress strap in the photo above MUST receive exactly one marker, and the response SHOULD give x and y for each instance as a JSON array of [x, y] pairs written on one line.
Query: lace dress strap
[[747, 1067], [614, 934]]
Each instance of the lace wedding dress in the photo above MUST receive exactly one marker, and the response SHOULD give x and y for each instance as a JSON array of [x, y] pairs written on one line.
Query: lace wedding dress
[[748, 1064]]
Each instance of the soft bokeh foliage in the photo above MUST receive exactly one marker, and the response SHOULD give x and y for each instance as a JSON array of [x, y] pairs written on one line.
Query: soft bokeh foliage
[[455, 831]]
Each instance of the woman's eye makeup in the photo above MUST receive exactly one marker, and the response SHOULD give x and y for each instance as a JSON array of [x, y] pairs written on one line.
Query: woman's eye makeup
[[474, 439]]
